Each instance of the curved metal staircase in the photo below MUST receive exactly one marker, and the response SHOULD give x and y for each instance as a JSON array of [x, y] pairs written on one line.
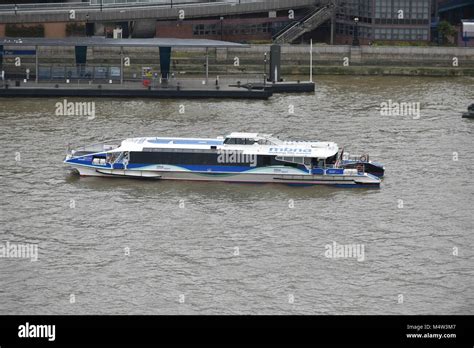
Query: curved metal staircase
[[308, 23]]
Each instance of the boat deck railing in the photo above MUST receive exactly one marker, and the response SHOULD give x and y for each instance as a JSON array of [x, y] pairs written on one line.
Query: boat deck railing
[[351, 158], [348, 157], [96, 147]]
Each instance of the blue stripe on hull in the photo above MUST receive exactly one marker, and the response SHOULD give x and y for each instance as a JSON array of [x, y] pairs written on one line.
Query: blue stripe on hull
[[230, 169]]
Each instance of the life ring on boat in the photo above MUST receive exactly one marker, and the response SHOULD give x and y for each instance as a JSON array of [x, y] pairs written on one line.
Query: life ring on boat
[[363, 158]]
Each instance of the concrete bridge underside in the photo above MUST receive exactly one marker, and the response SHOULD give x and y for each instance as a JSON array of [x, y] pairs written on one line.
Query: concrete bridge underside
[[94, 14]]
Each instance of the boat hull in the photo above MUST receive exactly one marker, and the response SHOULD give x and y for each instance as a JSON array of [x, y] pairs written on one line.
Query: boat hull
[[368, 167], [468, 114], [355, 180]]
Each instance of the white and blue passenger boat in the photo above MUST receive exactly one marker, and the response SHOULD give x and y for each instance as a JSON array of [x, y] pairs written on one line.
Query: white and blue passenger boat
[[238, 157]]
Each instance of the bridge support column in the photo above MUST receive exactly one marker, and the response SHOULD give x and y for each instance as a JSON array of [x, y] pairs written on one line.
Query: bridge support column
[[1, 57], [36, 64], [165, 61], [207, 65], [311, 61], [81, 58], [121, 65], [275, 63], [333, 23]]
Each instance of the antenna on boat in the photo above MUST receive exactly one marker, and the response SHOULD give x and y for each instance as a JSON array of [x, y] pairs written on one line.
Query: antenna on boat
[[311, 60]]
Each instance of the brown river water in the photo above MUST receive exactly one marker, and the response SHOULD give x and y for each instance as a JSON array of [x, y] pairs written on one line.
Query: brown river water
[[117, 246]]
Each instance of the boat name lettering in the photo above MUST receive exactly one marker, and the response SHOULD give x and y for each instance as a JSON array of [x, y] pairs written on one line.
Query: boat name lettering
[[288, 150]]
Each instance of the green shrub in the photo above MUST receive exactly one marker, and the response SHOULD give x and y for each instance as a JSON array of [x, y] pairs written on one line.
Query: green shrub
[[447, 31], [15, 30], [75, 29]]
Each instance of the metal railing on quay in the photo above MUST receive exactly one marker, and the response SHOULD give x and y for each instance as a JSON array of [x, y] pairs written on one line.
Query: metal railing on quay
[[111, 4]]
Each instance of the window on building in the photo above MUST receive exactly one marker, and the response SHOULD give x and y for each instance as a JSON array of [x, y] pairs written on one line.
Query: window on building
[[205, 29]]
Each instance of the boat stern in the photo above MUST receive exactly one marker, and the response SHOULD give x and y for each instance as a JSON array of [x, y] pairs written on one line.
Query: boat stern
[[367, 179]]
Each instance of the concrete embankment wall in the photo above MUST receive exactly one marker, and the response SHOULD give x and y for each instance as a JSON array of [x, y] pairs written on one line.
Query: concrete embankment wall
[[429, 61]]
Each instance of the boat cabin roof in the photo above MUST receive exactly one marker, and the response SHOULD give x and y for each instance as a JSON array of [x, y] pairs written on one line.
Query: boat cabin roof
[[280, 148], [242, 135], [256, 136]]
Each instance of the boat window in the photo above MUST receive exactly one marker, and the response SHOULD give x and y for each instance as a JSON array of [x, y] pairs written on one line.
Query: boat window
[[239, 141], [180, 158], [266, 160], [264, 142], [299, 160], [278, 161], [98, 161], [112, 157], [230, 141], [332, 159]]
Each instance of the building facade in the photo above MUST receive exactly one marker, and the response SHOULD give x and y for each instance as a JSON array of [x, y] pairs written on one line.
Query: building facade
[[456, 12], [227, 29], [378, 20], [383, 20]]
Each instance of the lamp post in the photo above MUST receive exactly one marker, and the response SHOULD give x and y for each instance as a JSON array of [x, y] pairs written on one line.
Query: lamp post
[[87, 24], [265, 69], [222, 21], [355, 42]]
